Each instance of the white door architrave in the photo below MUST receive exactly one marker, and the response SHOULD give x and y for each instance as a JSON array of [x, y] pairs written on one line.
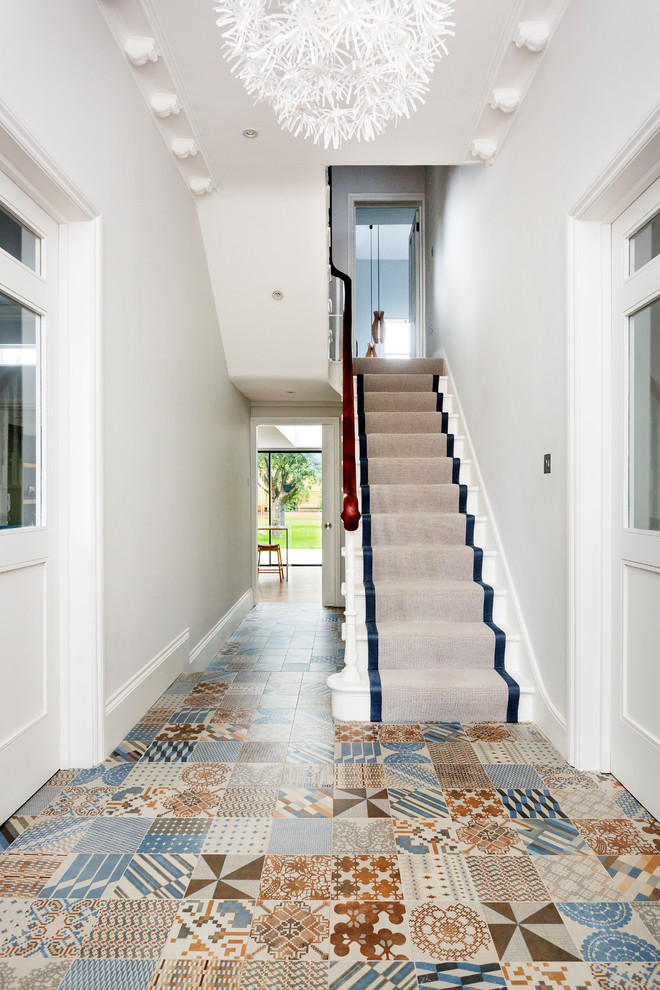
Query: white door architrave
[[82, 709], [589, 375]]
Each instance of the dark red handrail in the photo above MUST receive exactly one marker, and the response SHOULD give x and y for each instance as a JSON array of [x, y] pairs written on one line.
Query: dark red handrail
[[351, 512]]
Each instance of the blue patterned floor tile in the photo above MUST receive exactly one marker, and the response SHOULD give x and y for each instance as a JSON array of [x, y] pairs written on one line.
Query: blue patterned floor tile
[[609, 932], [85, 875], [155, 875], [372, 976], [531, 803], [549, 836], [360, 752], [55, 928], [310, 752], [291, 836], [517, 775], [114, 835], [220, 751], [443, 732], [59, 834], [449, 975], [273, 716], [170, 751], [176, 835], [418, 803], [110, 974], [112, 775]]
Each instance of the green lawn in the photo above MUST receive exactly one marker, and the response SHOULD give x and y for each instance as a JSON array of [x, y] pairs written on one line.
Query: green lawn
[[304, 533]]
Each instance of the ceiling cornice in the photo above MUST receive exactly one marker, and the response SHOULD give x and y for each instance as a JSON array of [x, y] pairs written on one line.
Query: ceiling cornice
[[136, 28]]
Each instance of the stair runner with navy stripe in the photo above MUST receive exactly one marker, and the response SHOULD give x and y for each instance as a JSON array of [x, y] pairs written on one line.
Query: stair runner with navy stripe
[[434, 652]]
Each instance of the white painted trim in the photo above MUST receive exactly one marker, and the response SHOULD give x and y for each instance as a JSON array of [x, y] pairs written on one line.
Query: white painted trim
[[589, 387], [408, 199], [128, 703], [81, 619], [39, 175], [546, 715], [82, 497], [209, 645]]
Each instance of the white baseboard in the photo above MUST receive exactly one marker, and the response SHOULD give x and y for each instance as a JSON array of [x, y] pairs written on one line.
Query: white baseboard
[[549, 721], [129, 703], [206, 649]]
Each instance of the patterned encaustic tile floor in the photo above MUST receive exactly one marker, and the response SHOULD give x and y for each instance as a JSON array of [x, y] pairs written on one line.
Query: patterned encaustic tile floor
[[238, 839]]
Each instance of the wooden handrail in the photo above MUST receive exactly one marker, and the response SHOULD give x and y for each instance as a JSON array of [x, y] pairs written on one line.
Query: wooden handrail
[[351, 512]]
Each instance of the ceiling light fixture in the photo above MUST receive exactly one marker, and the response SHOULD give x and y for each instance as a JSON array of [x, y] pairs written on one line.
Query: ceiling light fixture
[[250, 132], [336, 69]]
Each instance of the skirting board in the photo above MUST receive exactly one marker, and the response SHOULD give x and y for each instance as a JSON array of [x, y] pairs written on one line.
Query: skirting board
[[129, 703], [207, 647]]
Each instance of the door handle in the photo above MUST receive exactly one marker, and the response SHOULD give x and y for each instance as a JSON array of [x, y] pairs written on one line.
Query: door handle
[[327, 525]]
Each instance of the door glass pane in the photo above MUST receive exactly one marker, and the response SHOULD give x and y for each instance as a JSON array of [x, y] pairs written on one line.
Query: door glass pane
[[645, 244], [19, 241], [644, 419], [20, 471]]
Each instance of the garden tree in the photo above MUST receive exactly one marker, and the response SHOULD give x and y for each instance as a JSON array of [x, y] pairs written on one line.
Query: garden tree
[[292, 477]]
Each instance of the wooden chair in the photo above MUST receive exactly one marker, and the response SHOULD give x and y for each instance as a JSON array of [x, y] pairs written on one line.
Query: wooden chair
[[267, 568]]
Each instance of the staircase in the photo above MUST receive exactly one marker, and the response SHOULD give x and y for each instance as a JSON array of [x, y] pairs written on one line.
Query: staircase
[[426, 646]]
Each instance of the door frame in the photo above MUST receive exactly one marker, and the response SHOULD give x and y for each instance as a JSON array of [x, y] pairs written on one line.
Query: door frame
[[257, 420], [355, 200], [589, 429], [82, 708]]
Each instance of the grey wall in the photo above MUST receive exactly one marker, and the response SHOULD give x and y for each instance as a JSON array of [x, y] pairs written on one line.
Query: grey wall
[[393, 297]]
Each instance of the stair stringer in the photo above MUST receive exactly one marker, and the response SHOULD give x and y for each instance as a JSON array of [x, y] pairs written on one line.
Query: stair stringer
[[535, 703]]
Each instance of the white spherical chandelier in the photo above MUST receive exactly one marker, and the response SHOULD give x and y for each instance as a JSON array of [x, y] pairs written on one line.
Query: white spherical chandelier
[[334, 70]]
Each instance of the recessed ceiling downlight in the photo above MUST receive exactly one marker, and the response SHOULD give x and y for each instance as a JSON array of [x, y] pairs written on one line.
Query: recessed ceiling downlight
[[250, 132]]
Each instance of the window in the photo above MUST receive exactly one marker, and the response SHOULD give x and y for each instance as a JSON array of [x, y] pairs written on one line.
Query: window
[[19, 241], [20, 455]]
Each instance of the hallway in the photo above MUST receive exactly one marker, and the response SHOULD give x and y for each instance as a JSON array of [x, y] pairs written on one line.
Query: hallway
[[237, 839]]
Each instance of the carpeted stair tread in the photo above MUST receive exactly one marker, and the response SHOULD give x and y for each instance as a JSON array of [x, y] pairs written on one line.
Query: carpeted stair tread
[[446, 645], [413, 498], [414, 562], [413, 470], [434, 653], [398, 383], [394, 529], [447, 601], [394, 366], [429, 446], [452, 696], [403, 422], [403, 401]]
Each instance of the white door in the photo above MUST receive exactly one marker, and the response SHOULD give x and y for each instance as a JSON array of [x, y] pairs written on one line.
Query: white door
[[330, 515], [29, 559], [635, 682]]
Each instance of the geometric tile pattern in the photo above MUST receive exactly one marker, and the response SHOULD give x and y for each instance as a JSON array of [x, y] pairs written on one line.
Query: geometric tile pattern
[[374, 976], [158, 875], [637, 877], [290, 930], [432, 878], [447, 975], [220, 877], [209, 929], [223, 845], [531, 804], [530, 932], [609, 932], [503, 878]]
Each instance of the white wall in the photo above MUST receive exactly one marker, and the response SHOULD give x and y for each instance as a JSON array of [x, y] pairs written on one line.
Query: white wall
[[269, 232], [175, 431], [500, 275]]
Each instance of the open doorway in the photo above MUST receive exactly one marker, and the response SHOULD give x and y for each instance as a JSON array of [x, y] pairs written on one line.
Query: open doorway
[[295, 512], [387, 280]]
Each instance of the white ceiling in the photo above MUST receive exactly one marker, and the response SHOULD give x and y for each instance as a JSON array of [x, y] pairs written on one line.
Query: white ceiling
[[481, 56]]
